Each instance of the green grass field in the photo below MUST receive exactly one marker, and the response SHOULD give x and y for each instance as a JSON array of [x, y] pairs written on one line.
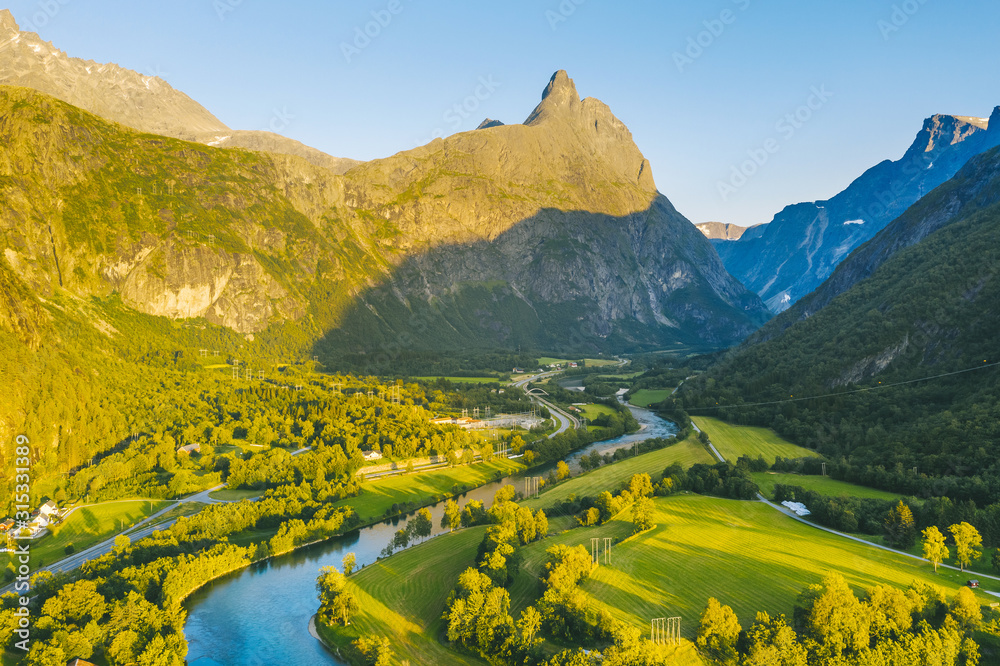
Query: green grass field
[[227, 495], [403, 597], [745, 554], [820, 484], [186, 509], [607, 477], [734, 441], [593, 411], [89, 525], [380, 494], [647, 397]]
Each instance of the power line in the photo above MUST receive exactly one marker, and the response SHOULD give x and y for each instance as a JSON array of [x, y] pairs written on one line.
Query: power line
[[851, 392]]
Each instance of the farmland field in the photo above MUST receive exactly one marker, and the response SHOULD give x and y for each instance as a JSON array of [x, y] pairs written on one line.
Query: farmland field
[[402, 598], [647, 397], [593, 411], [820, 484], [733, 441], [607, 477], [378, 495], [745, 554]]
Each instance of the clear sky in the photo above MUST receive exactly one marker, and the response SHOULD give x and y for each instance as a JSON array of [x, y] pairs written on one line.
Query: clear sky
[[702, 85]]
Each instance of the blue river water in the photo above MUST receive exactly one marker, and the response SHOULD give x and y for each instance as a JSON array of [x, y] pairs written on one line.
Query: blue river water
[[260, 615]]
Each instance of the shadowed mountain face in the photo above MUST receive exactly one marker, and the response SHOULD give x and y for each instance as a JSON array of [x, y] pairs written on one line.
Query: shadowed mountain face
[[548, 234], [790, 257], [559, 223], [144, 102], [911, 317]]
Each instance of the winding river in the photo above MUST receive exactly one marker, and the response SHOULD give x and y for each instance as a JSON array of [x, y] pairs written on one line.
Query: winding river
[[260, 615]]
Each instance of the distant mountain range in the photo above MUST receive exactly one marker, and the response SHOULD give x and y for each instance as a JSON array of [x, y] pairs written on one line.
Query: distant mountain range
[[726, 232], [146, 103], [793, 254]]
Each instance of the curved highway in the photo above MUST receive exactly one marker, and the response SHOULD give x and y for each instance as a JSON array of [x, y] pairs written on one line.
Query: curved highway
[[564, 419]]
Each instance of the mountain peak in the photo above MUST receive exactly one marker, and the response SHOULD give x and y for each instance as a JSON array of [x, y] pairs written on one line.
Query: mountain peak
[[488, 123], [994, 122], [7, 22], [559, 98], [942, 130], [562, 88]]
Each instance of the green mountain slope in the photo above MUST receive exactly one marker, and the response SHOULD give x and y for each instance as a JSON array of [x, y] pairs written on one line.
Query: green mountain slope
[[126, 253], [491, 228], [923, 310]]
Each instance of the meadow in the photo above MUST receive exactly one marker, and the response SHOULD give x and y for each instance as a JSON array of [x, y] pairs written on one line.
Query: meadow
[[592, 411], [647, 397], [379, 495], [608, 477], [820, 484], [89, 525], [745, 554], [402, 597], [733, 441]]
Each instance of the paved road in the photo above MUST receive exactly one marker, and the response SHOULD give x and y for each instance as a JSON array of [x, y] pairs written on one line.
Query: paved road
[[564, 419], [138, 531]]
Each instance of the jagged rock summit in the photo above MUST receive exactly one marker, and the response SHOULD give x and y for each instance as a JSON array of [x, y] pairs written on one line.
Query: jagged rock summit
[[7, 22]]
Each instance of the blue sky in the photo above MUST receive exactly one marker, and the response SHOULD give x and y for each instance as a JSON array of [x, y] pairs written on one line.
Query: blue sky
[[702, 85]]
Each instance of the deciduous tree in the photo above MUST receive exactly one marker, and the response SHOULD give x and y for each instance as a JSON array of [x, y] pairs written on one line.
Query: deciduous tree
[[935, 549], [967, 543]]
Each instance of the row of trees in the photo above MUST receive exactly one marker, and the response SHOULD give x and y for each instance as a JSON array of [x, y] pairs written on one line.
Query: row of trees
[[833, 627]]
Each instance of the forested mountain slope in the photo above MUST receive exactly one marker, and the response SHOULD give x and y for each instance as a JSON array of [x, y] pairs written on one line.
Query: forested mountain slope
[[916, 332]]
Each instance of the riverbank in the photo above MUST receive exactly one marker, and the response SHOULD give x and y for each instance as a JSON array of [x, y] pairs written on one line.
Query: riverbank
[[232, 620]]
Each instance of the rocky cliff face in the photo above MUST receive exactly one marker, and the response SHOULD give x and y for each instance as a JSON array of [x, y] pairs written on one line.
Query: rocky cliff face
[[146, 103], [974, 188], [548, 233], [562, 212], [802, 246]]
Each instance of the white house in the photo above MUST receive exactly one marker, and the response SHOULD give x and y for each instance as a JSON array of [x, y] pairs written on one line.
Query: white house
[[372, 455]]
